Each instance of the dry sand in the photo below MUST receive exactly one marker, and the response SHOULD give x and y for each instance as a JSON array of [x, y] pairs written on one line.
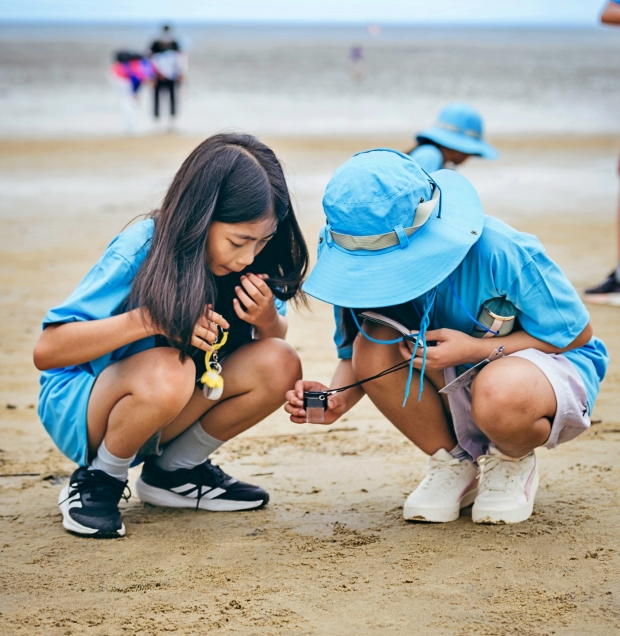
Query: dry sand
[[331, 553]]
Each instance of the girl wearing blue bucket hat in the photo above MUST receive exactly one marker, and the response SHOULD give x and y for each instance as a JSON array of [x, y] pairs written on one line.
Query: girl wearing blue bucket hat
[[456, 136], [418, 249]]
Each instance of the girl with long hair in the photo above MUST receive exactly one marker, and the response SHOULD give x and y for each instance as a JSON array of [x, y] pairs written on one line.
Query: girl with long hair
[[208, 273]]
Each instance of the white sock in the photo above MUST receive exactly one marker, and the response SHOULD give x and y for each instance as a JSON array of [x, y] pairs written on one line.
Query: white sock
[[191, 448], [117, 467], [458, 452], [618, 272]]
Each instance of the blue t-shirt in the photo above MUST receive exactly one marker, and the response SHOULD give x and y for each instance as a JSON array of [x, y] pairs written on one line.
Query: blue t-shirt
[[103, 291], [428, 157], [64, 395], [513, 265]]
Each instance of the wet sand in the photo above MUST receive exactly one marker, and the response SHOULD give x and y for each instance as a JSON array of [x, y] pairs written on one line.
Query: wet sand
[[331, 553]]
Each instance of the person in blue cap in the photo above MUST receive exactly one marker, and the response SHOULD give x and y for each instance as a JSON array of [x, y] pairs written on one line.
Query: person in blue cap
[[418, 249], [456, 136], [610, 287]]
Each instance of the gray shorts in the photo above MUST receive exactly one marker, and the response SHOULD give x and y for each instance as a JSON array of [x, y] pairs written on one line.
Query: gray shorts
[[571, 416]]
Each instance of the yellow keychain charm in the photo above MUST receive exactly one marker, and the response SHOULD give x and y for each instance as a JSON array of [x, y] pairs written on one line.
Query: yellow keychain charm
[[212, 379]]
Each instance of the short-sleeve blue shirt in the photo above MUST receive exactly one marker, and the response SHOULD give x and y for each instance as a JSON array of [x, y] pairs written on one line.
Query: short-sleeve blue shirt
[[428, 157], [511, 264], [63, 400]]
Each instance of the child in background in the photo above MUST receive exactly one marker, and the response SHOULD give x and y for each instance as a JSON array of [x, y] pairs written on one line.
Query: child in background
[[455, 137], [121, 356], [419, 249], [127, 74]]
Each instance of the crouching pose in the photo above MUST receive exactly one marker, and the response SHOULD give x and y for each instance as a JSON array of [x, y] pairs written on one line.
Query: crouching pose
[[417, 249], [195, 293]]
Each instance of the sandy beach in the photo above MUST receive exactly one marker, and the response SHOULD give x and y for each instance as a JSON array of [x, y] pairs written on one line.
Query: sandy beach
[[331, 553]]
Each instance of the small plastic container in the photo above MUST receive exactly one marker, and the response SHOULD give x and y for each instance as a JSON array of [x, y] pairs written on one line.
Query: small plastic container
[[315, 405]]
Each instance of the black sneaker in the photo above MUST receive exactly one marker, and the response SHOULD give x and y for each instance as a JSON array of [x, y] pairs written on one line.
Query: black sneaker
[[89, 504], [609, 286], [205, 487]]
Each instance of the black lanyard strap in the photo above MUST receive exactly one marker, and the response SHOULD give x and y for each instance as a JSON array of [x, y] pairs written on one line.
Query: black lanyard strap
[[397, 367]]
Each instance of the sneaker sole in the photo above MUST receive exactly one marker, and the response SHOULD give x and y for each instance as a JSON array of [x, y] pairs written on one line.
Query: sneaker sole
[[73, 526], [439, 515], [166, 498], [516, 515]]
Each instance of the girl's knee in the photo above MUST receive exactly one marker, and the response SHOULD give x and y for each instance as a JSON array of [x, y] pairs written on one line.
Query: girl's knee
[[496, 394], [166, 379], [277, 359]]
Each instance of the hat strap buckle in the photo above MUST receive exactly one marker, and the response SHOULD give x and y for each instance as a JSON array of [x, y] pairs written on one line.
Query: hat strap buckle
[[398, 236]]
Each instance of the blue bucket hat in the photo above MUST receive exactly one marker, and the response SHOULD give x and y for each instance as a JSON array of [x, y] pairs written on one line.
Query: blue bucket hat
[[459, 127], [393, 232]]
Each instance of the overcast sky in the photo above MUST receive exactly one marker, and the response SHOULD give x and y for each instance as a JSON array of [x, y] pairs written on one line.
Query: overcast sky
[[548, 12]]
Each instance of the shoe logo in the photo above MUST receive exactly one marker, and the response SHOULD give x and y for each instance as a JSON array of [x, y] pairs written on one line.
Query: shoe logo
[[191, 490], [73, 500]]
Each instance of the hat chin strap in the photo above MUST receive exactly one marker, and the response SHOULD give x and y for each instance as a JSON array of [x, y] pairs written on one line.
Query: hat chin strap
[[374, 242]]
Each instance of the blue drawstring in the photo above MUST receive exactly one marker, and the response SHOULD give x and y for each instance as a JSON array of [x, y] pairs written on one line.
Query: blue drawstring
[[424, 324], [458, 300], [385, 342]]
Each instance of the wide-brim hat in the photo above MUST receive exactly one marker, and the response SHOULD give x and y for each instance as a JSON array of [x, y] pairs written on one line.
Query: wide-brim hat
[[393, 231], [459, 127]]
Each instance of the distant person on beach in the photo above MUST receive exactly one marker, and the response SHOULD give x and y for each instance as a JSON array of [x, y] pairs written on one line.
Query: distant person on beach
[[128, 73], [356, 60], [173, 343], [464, 288], [170, 67], [611, 285], [456, 136]]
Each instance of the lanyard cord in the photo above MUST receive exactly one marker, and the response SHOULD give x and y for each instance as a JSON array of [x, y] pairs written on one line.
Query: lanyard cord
[[397, 367], [458, 300], [383, 342]]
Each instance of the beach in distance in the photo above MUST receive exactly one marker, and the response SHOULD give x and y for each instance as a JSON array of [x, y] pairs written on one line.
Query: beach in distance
[[331, 553]]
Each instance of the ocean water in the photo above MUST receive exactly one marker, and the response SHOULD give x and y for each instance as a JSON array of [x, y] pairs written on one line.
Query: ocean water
[[300, 80]]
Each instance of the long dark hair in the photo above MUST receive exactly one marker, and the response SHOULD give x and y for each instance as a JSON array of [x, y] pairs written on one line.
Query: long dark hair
[[231, 178]]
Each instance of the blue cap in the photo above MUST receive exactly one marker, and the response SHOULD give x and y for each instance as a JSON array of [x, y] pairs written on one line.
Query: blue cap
[[459, 127], [393, 232]]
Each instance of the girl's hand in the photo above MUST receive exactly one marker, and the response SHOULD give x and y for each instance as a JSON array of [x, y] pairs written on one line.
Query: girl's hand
[[206, 329], [453, 348], [295, 402], [258, 308]]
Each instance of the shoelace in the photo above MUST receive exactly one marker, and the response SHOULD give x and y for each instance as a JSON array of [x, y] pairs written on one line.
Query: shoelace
[[441, 472], [210, 473], [101, 490], [492, 477]]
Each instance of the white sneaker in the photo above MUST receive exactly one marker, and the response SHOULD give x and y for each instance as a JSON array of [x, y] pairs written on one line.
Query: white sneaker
[[507, 488], [449, 485]]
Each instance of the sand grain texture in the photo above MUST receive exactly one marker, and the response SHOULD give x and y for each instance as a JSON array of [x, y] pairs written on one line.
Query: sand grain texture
[[331, 553]]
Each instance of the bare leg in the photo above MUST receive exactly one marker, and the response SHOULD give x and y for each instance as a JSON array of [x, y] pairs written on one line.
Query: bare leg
[[513, 404], [152, 391], [136, 397], [425, 423], [256, 377]]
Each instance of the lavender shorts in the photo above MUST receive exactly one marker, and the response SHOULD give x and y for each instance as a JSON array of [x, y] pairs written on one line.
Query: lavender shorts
[[571, 416]]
